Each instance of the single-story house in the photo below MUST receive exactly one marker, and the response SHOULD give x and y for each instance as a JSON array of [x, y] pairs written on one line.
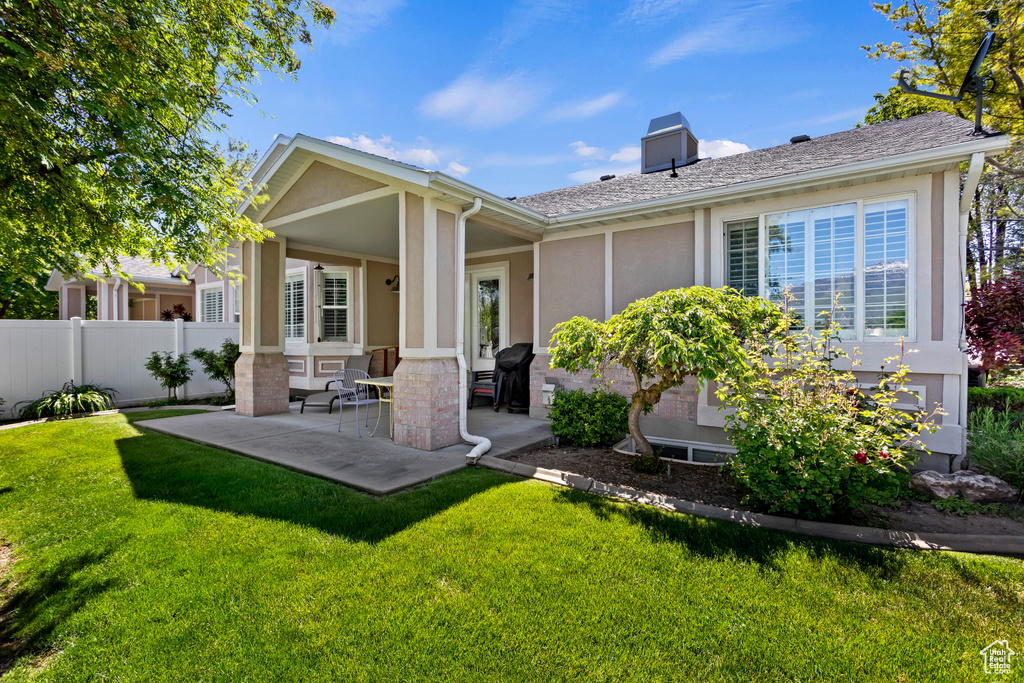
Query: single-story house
[[118, 299], [370, 252]]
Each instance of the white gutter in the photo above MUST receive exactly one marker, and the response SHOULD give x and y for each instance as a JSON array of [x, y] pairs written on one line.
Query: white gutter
[[482, 444], [966, 200]]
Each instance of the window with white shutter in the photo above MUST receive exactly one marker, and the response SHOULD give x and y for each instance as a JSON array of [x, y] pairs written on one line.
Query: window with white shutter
[[212, 304], [334, 307], [295, 307]]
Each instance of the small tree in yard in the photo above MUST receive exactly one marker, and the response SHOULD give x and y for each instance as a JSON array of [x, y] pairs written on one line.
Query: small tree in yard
[[695, 332], [994, 319], [171, 372], [220, 365]]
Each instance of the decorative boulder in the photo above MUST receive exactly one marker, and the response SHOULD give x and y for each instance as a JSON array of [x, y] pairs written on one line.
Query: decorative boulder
[[977, 488]]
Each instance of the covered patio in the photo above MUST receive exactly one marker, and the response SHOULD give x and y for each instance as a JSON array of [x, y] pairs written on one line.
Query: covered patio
[[395, 234], [310, 443]]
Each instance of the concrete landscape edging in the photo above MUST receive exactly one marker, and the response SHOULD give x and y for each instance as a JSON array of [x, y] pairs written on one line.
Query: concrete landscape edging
[[980, 543]]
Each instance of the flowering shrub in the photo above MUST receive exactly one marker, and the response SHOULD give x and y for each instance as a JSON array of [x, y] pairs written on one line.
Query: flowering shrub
[[810, 443]]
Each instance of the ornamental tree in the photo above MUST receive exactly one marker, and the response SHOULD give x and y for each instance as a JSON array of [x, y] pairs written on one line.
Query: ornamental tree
[[694, 332], [109, 113], [994, 320]]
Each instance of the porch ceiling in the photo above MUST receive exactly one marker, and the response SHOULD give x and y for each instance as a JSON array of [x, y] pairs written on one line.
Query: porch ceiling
[[369, 228], [480, 238]]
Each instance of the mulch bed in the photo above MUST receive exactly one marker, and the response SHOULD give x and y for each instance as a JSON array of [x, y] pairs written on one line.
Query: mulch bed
[[714, 486], [696, 483]]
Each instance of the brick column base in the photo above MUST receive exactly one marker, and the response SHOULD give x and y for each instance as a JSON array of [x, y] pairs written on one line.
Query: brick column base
[[427, 403], [261, 384]]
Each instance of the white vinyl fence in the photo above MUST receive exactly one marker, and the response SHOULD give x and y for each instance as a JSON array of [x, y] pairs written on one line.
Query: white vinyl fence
[[37, 356]]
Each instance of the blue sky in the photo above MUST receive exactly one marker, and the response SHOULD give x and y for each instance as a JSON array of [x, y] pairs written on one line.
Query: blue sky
[[527, 96]]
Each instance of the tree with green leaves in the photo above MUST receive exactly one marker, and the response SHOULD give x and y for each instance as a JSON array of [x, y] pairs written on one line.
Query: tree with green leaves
[[170, 371], [220, 365], [107, 111], [942, 38], [662, 340]]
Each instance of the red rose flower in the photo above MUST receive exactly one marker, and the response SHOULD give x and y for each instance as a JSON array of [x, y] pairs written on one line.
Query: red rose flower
[[861, 458]]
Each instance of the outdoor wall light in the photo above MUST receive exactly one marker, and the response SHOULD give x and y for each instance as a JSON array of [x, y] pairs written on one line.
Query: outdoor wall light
[[394, 290], [318, 267], [529, 278]]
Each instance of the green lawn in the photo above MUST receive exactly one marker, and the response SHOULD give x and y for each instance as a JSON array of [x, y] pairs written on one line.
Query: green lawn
[[141, 557]]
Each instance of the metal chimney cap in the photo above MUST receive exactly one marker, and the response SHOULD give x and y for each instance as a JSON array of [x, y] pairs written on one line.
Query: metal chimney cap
[[664, 124]]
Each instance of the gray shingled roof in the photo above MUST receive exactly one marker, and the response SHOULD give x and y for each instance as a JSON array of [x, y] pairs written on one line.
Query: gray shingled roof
[[914, 134], [143, 268]]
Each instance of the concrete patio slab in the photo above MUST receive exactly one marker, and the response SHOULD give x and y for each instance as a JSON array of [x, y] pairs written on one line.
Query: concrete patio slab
[[310, 443]]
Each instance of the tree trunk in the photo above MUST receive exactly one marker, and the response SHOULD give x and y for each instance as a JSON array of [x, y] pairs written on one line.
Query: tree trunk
[[3, 307], [640, 442]]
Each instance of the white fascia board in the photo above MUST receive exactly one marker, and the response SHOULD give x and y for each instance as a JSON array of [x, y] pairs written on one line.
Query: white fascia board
[[370, 162], [903, 162], [54, 282], [279, 138], [467, 192]]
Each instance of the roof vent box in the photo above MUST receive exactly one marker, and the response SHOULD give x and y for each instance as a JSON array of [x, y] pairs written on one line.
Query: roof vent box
[[668, 137]]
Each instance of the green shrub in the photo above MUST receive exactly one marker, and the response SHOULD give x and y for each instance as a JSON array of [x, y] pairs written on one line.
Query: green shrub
[[70, 399], [999, 398], [220, 365], [583, 419], [996, 445], [809, 442], [171, 372]]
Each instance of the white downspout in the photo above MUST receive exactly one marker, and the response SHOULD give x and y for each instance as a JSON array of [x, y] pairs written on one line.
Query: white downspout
[[482, 444], [966, 199]]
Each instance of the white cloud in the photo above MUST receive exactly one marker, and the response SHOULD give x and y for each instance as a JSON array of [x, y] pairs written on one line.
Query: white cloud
[[740, 28], [586, 109], [588, 175], [584, 150], [626, 154], [713, 149], [456, 169], [649, 10], [355, 18], [525, 17], [479, 103], [384, 146]]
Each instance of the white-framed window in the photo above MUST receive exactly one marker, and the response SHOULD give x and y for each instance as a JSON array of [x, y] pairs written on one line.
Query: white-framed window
[[858, 251], [295, 307], [211, 303], [333, 300]]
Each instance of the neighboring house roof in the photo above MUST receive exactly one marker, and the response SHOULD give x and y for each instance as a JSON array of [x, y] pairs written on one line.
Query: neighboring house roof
[[139, 270], [893, 138], [143, 269]]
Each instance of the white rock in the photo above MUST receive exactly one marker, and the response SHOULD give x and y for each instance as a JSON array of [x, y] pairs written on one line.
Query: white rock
[[977, 488]]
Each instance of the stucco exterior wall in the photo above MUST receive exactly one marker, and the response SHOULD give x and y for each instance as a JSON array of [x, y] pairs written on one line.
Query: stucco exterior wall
[[447, 253], [381, 305], [413, 287], [320, 184], [651, 260], [572, 281]]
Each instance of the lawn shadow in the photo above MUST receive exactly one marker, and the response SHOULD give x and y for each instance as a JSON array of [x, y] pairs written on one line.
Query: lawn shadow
[[163, 468], [31, 613], [719, 539]]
